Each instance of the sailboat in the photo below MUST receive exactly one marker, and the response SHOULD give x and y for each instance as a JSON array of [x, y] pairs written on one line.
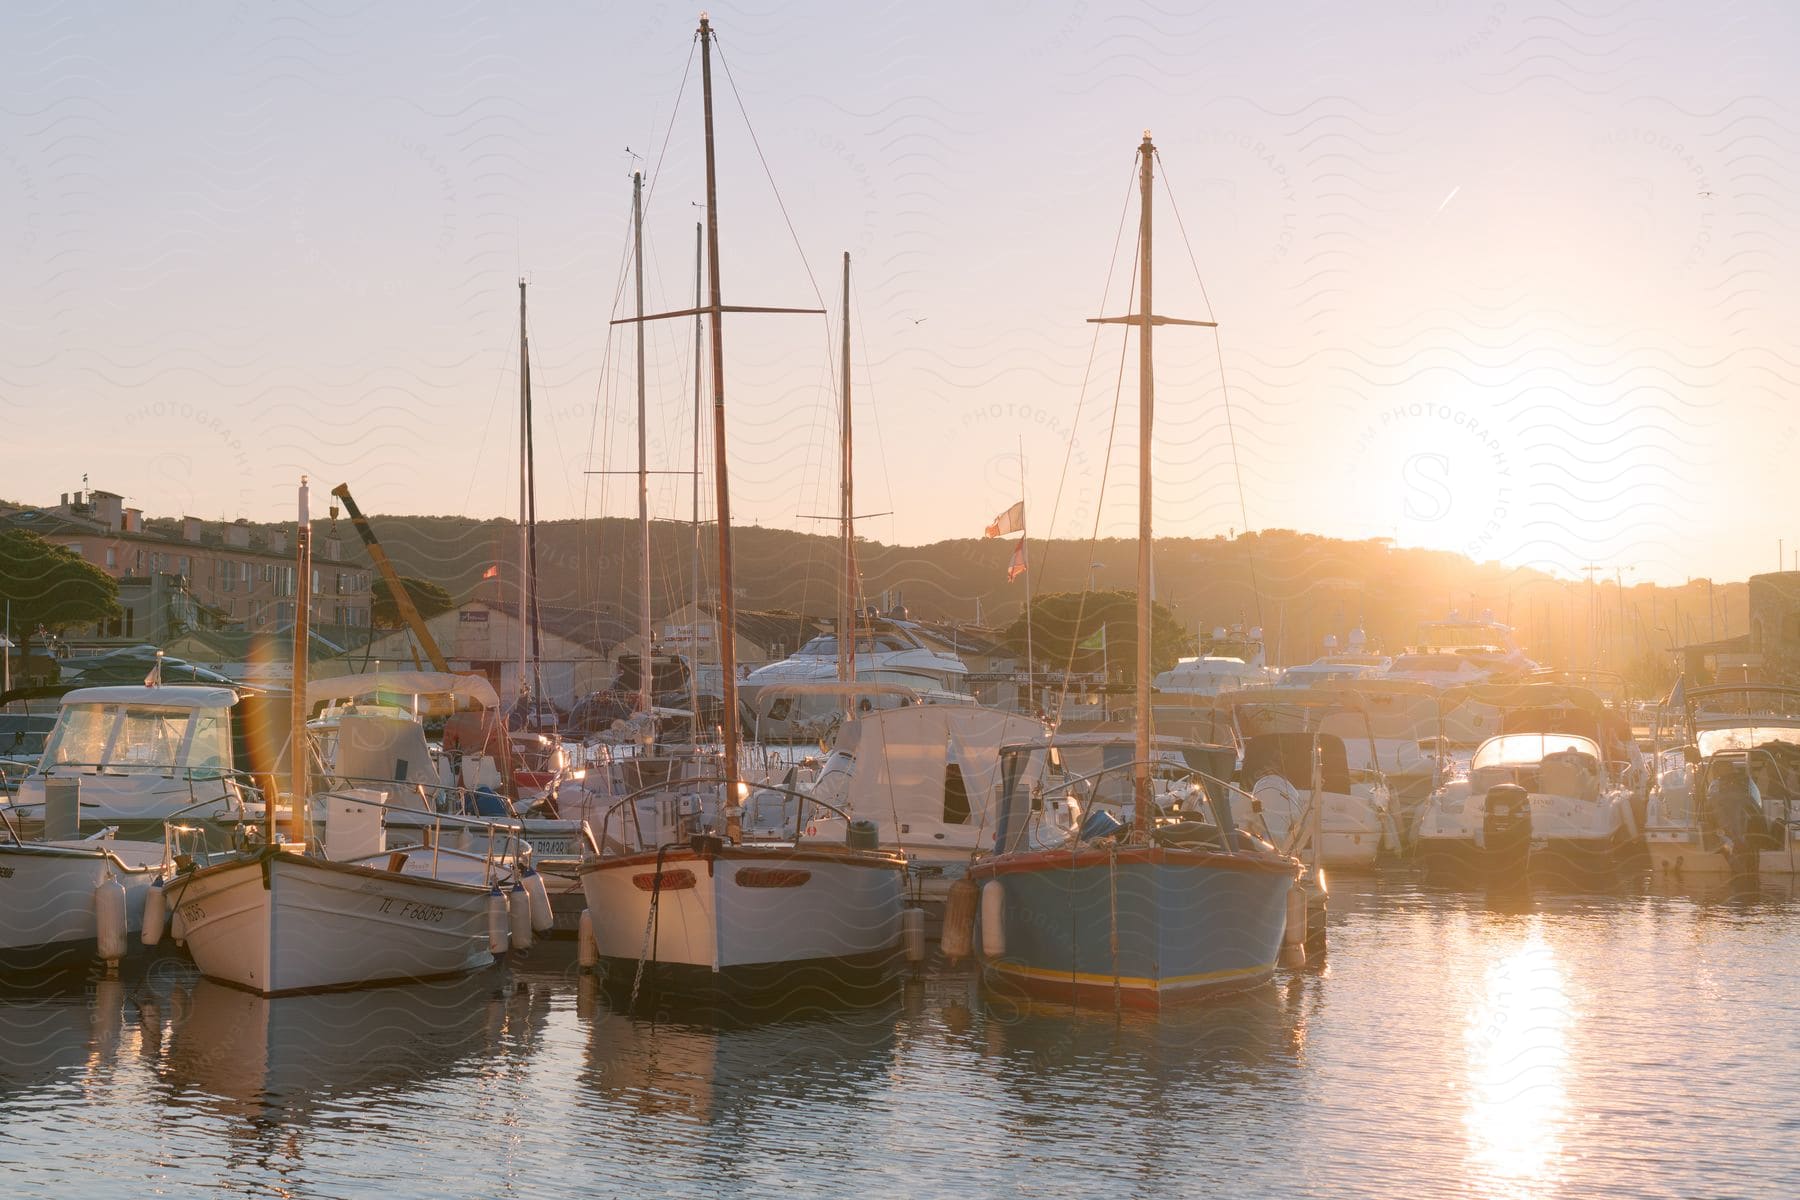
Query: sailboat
[[697, 904], [288, 915], [1176, 904]]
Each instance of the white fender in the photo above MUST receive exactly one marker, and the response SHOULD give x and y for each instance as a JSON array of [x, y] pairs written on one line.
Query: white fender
[[993, 919], [499, 923], [156, 913], [542, 916], [109, 918], [518, 907]]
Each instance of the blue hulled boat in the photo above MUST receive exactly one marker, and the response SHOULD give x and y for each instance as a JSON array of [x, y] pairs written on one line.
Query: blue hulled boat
[[1119, 915], [1150, 896]]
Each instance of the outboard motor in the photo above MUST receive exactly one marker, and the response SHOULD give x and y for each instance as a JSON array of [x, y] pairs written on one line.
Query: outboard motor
[[1506, 822]]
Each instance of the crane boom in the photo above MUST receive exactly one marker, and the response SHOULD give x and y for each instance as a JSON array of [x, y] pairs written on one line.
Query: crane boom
[[402, 598]]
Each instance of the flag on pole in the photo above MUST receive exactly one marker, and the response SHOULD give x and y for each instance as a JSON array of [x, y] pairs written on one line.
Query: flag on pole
[[1097, 642], [1010, 521], [492, 572], [1017, 567]]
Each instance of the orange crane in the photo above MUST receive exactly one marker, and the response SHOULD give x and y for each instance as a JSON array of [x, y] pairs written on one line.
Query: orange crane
[[402, 598]]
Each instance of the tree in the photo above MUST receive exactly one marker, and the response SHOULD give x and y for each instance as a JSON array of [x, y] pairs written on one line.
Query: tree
[[1062, 621], [50, 587], [427, 597]]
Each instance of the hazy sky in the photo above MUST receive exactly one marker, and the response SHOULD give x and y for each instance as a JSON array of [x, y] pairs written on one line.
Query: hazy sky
[[1513, 279]]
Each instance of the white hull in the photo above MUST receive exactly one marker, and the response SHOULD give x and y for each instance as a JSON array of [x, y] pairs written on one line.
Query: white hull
[[322, 924], [47, 890], [802, 906]]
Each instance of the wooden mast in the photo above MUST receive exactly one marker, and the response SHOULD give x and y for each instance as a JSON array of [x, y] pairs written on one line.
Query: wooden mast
[[721, 476], [643, 467], [846, 630], [1146, 415], [297, 745], [524, 509], [1145, 320], [693, 629], [717, 308]]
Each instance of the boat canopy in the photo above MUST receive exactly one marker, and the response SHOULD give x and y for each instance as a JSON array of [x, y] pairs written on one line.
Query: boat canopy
[[1289, 755], [160, 697], [403, 683]]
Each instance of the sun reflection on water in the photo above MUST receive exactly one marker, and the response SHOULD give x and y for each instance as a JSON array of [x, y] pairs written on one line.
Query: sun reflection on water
[[1517, 1058]]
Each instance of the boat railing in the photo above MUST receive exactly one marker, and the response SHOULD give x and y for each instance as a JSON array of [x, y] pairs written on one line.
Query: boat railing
[[708, 783], [504, 855], [1210, 791], [464, 802]]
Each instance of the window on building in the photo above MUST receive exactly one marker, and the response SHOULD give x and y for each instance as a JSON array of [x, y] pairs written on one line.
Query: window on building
[[112, 558], [75, 549]]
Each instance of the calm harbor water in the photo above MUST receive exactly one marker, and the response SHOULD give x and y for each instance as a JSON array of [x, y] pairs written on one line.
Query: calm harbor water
[[1455, 1044]]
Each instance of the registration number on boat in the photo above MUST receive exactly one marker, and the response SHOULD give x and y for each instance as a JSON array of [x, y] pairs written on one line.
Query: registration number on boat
[[406, 910], [557, 846]]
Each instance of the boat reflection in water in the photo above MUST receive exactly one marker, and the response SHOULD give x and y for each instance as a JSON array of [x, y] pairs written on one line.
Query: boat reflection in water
[[242, 1056], [714, 1071]]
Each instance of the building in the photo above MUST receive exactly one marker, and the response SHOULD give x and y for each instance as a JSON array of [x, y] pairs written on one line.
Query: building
[[182, 574], [576, 647], [1775, 624]]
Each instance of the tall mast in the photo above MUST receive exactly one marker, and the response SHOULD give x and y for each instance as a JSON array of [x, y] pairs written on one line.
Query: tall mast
[[297, 746], [1146, 411], [693, 642], [721, 476], [643, 471], [846, 631], [524, 504]]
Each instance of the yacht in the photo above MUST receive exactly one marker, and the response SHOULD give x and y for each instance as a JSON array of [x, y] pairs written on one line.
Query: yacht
[[1484, 641], [889, 649], [1354, 660], [1231, 660]]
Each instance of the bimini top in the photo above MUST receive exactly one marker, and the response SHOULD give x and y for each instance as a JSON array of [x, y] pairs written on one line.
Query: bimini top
[[403, 683], [166, 697]]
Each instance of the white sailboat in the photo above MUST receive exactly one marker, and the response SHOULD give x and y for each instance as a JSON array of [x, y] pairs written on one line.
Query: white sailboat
[[281, 917], [720, 912]]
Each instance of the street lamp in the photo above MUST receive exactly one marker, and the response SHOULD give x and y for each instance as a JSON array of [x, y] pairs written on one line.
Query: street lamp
[[1092, 567]]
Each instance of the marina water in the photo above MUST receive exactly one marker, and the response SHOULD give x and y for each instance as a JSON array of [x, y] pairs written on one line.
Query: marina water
[[1481, 1044]]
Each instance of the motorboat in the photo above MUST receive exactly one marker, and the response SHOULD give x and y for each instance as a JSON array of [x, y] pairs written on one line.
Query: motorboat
[[887, 650], [1437, 669], [1539, 801], [1486, 642], [1356, 659], [1724, 804], [1229, 661], [136, 756], [1298, 776]]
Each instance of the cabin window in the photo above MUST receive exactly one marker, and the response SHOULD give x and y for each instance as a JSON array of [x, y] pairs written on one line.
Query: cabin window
[[956, 796], [779, 710], [211, 747], [80, 737], [150, 737]]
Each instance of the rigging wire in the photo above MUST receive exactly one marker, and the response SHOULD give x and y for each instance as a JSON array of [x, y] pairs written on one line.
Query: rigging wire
[[1224, 390]]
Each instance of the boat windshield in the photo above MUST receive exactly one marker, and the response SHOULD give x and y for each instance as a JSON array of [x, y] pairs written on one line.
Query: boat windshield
[[1524, 749], [139, 735], [1744, 737]]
